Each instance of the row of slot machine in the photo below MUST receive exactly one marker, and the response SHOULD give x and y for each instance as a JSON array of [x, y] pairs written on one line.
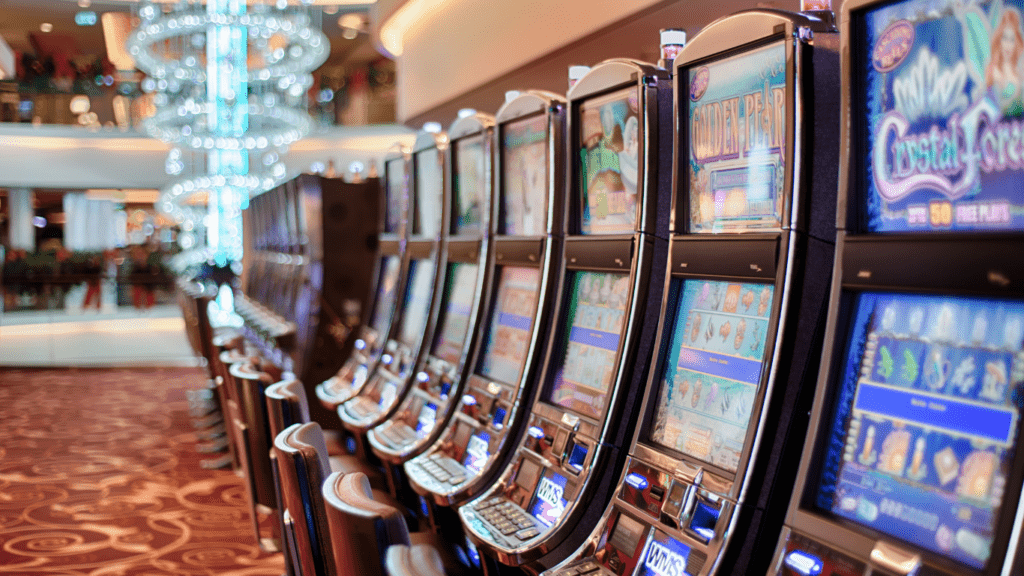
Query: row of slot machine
[[309, 258], [757, 310]]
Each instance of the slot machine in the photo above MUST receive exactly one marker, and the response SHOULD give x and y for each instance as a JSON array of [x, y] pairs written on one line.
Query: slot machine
[[751, 252], [421, 416], [379, 317], [610, 282], [911, 462], [425, 268], [527, 214]]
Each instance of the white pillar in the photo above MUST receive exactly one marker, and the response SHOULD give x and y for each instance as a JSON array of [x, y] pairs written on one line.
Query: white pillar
[[22, 233]]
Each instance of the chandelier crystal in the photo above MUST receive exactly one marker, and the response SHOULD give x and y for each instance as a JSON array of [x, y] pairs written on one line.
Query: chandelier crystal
[[229, 78]]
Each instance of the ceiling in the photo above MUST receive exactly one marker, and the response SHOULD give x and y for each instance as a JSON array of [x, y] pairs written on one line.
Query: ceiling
[[19, 18]]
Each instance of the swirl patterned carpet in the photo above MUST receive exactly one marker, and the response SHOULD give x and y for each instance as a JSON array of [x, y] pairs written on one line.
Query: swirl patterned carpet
[[99, 477]]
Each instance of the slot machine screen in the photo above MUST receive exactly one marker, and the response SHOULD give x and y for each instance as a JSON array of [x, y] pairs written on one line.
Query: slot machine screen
[[549, 500], [736, 133], [455, 325], [713, 369], [417, 302], [511, 323], [596, 319], [524, 166], [395, 181], [387, 291], [926, 416], [429, 192], [609, 156], [942, 98], [470, 184]]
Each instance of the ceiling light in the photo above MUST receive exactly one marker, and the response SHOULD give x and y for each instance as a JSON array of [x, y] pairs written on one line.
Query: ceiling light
[[84, 3], [394, 28], [46, 27], [352, 20], [330, 9], [349, 33]]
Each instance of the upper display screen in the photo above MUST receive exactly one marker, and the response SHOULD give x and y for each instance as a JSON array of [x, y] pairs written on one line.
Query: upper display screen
[[429, 192], [387, 289], [395, 189], [609, 159], [460, 290], [470, 185], [524, 162], [942, 86], [511, 325], [737, 141], [597, 317], [417, 302], [926, 420], [713, 370]]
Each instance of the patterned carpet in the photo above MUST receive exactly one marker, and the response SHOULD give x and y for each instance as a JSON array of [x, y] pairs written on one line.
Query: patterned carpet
[[99, 477]]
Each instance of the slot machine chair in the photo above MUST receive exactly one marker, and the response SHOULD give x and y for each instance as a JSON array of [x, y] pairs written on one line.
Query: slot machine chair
[[332, 512], [252, 435], [300, 454], [364, 527], [288, 404], [418, 560]]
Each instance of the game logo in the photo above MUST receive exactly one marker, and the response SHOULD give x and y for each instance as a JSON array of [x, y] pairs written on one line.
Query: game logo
[[470, 185], [455, 325], [508, 339], [597, 310], [396, 189], [387, 290], [713, 370], [525, 167], [429, 192], [737, 141], [925, 431], [477, 452], [549, 501], [942, 85], [417, 302], [609, 162], [665, 556]]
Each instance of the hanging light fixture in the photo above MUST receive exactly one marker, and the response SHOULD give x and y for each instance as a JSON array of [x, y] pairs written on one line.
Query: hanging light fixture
[[229, 79]]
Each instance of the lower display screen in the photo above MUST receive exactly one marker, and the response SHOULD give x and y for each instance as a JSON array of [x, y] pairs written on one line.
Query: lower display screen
[[417, 302], [511, 324], [713, 369], [549, 500], [925, 427], [387, 290], [461, 286], [597, 318]]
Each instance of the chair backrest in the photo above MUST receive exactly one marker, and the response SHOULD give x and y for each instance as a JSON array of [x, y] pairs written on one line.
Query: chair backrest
[[251, 385], [362, 528], [418, 560], [301, 457], [286, 405]]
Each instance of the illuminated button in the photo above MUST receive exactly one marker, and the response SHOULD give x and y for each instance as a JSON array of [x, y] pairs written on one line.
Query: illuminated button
[[804, 563], [527, 534], [456, 479], [482, 506], [536, 432], [588, 568]]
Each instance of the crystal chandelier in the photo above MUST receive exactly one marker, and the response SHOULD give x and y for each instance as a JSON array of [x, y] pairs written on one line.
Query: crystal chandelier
[[229, 81]]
